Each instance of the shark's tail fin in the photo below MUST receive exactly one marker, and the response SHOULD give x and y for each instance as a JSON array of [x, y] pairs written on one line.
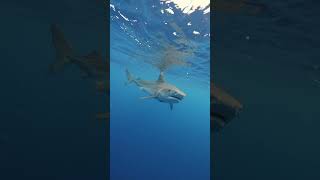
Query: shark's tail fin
[[62, 48], [129, 77]]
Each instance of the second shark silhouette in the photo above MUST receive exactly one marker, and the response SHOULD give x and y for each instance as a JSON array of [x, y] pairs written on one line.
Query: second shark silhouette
[[223, 109], [91, 65]]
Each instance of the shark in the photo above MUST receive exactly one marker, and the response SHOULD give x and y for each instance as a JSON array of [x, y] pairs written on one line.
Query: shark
[[158, 89], [224, 108], [91, 65]]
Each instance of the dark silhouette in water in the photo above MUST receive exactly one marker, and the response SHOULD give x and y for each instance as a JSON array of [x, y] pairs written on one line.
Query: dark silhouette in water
[[223, 108], [92, 65]]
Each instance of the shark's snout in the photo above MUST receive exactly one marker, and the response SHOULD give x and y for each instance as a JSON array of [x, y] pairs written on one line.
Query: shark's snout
[[177, 95]]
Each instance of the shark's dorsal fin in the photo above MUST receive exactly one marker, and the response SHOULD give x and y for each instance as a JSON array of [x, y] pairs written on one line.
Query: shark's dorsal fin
[[161, 77]]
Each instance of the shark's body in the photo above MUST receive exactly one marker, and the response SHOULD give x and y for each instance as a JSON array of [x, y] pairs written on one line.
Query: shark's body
[[91, 65], [224, 108], [159, 89]]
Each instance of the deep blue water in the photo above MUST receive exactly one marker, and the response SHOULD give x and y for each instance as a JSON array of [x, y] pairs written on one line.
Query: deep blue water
[[147, 139]]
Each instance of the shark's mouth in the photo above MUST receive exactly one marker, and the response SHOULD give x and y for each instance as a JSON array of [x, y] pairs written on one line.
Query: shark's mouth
[[177, 97]]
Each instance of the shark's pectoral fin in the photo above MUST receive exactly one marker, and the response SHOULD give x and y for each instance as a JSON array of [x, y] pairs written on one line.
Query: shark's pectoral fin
[[147, 97], [171, 106]]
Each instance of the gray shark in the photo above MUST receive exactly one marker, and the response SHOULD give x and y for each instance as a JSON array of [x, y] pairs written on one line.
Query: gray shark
[[158, 89]]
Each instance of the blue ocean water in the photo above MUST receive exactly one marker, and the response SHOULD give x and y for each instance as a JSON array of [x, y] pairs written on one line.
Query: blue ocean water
[[147, 139]]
